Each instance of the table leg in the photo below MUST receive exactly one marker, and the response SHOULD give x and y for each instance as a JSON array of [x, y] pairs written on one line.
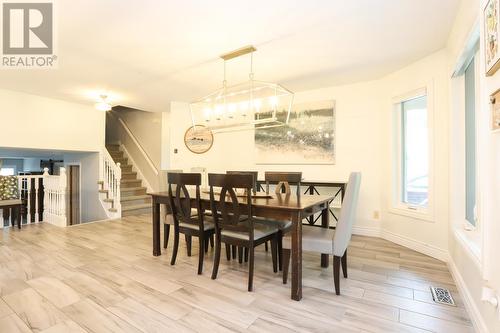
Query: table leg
[[325, 223], [311, 192], [296, 256], [156, 229]]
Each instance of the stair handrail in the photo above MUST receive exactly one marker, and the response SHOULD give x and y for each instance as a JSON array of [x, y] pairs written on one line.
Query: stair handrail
[[110, 173], [136, 141]]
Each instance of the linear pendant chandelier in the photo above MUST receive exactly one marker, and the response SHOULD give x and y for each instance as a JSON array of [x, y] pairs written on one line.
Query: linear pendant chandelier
[[245, 106]]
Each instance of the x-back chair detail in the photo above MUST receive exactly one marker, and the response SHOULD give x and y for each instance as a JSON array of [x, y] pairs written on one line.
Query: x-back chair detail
[[185, 222]]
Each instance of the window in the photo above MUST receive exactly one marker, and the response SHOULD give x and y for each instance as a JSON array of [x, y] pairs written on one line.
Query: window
[[7, 171], [470, 143], [412, 156]]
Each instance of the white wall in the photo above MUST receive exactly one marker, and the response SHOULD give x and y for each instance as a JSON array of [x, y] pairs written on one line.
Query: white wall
[[358, 134], [431, 73], [44, 123]]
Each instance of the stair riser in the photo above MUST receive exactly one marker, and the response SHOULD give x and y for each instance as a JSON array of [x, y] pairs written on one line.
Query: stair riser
[[121, 160], [126, 168], [131, 184], [129, 176], [134, 192], [137, 212], [117, 156], [136, 202]]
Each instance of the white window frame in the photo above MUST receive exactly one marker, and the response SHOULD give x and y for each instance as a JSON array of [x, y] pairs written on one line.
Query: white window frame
[[396, 205]]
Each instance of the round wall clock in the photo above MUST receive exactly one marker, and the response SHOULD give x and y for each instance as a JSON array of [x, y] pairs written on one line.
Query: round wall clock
[[198, 139]]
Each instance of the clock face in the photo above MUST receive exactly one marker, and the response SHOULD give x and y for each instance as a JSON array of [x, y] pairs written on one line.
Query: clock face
[[198, 139]]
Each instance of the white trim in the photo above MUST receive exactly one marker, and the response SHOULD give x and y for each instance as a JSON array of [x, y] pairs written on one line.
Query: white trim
[[416, 245], [396, 206], [470, 305], [136, 168], [366, 231]]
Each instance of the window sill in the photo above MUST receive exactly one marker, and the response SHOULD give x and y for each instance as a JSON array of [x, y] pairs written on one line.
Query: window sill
[[470, 242], [415, 214]]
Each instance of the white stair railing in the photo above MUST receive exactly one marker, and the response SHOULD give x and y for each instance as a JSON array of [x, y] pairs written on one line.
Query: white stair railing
[[110, 174], [54, 200], [30, 189]]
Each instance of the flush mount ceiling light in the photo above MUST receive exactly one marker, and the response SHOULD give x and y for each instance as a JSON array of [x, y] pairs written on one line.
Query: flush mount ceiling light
[[249, 105], [103, 105]]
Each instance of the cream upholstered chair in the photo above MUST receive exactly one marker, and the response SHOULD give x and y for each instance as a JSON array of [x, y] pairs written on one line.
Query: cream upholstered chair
[[330, 241]]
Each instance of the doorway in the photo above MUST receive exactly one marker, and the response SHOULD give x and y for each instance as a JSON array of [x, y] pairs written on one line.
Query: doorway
[[74, 194]]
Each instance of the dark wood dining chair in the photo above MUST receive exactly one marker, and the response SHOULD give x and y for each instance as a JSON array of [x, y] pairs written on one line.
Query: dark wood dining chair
[[283, 180], [184, 221], [328, 241], [168, 218], [230, 228], [255, 175]]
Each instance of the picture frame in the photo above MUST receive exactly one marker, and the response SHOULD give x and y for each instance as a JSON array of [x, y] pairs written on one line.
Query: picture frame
[[495, 111], [491, 15]]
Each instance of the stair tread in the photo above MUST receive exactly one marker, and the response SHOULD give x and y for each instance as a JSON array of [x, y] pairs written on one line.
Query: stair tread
[[132, 188], [134, 207], [135, 197], [129, 173], [103, 191], [130, 180]]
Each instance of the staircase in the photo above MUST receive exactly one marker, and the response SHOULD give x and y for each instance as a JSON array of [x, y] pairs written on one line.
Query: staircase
[[134, 200]]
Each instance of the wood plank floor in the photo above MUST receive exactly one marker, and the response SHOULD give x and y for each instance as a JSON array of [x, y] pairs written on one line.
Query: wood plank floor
[[102, 277]]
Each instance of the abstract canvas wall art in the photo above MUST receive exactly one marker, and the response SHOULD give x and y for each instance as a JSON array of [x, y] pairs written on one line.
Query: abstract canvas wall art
[[491, 36], [308, 138]]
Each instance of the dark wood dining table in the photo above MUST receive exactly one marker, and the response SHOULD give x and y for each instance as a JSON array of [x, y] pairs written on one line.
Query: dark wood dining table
[[278, 206]]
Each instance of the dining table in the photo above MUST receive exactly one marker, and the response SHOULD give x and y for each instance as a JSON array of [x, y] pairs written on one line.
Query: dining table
[[292, 207]]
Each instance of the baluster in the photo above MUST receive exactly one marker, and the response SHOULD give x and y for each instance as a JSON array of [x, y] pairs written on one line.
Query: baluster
[[37, 217], [28, 200]]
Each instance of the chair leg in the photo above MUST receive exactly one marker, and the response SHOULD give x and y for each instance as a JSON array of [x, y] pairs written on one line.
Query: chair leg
[[286, 263], [228, 252], [344, 264], [274, 252], [336, 273], [250, 268], [176, 246], [233, 250], [216, 257], [280, 250], [206, 237], [212, 240], [266, 247], [166, 235], [240, 254], [188, 244], [201, 253], [245, 251]]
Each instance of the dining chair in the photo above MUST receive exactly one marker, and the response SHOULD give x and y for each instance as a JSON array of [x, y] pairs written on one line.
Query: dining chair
[[241, 252], [184, 221], [168, 219], [230, 228], [283, 180], [328, 241]]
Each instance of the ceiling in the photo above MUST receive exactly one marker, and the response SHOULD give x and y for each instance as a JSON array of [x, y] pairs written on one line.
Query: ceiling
[[148, 53]]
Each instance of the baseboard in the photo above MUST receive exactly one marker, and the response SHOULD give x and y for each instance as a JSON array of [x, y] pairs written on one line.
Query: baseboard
[[366, 231], [416, 245], [470, 305]]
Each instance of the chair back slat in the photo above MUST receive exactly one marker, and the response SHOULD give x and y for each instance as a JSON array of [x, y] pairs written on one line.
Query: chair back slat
[[343, 230], [255, 175], [227, 210], [284, 180], [181, 202]]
